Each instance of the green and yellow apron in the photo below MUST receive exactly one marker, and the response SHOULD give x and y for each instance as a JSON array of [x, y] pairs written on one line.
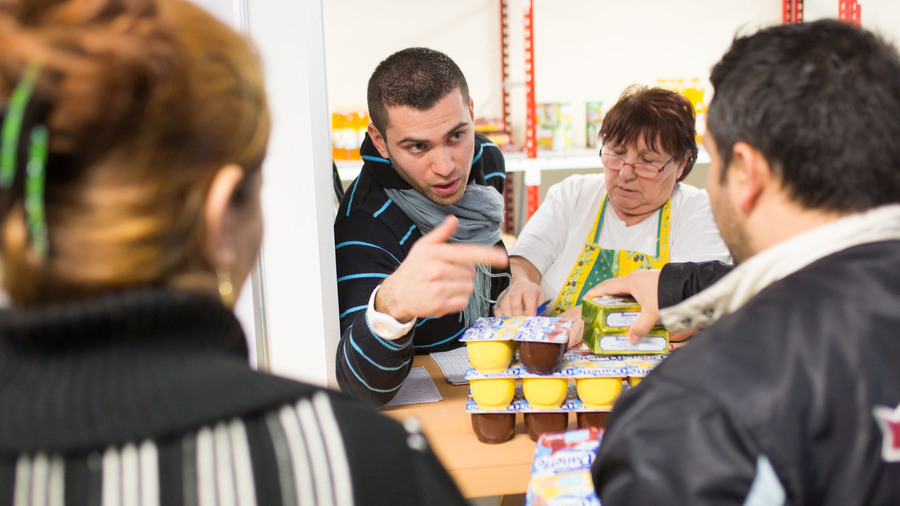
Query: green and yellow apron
[[596, 264]]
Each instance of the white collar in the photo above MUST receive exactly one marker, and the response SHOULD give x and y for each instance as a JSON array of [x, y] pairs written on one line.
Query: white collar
[[778, 261]]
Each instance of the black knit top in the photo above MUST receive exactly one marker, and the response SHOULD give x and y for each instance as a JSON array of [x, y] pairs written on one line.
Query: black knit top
[[148, 394]]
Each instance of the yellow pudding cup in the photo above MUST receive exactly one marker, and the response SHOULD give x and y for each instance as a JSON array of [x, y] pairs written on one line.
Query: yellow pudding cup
[[490, 357], [598, 393], [545, 393], [493, 393]]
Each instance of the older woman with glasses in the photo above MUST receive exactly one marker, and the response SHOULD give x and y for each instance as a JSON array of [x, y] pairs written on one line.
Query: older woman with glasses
[[636, 215]]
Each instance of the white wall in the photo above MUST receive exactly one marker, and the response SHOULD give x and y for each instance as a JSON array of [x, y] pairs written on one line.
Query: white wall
[[234, 13], [584, 49], [289, 310], [359, 34], [298, 272]]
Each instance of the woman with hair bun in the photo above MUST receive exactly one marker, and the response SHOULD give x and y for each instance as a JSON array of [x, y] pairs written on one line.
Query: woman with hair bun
[[132, 140]]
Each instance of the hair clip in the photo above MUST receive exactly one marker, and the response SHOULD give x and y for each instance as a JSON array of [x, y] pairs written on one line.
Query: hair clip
[[35, 174], [35, 170], [12, 125]]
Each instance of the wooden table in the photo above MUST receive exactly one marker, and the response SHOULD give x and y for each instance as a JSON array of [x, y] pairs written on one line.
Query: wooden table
[[479, 469]]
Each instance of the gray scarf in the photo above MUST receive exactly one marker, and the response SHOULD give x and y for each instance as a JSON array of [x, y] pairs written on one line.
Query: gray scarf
[[480, 212]]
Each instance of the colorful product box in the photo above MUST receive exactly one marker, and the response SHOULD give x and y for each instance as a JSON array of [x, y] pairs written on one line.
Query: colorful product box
[[561, 470]]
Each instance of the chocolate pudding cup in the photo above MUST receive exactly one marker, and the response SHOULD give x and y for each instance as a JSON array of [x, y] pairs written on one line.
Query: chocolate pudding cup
[[587, 419], [539, 423], [494, 428], [539, 357]]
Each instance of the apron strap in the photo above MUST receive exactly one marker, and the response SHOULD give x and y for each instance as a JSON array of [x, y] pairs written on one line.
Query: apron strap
[[597, 264]]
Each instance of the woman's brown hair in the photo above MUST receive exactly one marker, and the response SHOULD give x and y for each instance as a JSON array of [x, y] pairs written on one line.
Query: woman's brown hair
[[663, 118], [144, 101]]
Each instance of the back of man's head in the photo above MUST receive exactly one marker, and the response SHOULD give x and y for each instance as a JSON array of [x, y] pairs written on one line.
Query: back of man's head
[[821, 101], [415, 77]]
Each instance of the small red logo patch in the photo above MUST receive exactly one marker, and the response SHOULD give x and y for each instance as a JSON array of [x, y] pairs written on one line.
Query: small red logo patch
[[889, 421]]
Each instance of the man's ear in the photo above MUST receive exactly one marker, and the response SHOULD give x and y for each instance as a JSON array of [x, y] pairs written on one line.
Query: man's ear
[[221, 240], [378, 140], [751, 173]]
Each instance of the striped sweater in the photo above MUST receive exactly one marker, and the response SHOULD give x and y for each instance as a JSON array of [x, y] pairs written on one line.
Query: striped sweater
[[146, 398], [372, 237]]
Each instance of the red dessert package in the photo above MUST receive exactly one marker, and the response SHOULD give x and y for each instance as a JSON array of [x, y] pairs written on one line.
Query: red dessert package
[[561, 472]]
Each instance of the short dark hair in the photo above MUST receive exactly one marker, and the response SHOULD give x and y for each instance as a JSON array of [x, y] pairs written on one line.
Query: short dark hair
[[415, 77], [821, 102], [658, 116]]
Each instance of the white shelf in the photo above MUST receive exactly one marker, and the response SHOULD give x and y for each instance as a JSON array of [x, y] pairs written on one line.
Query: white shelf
[[519, 162], [565, 160], [553, 160], [348, 170]]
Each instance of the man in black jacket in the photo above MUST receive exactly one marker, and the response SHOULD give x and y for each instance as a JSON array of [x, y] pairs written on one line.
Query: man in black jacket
[[791, 392], [414, 233]]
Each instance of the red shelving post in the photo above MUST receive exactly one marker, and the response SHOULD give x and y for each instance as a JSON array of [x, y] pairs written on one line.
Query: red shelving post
[[848, 10], [532, 176], [509, 194], [792, 11], [504, 63]]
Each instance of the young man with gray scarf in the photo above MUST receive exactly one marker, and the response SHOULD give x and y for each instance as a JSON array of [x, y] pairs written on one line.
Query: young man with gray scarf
[[418, 232]]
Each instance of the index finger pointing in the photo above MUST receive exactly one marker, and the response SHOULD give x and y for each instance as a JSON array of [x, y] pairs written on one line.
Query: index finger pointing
[[474, 254]]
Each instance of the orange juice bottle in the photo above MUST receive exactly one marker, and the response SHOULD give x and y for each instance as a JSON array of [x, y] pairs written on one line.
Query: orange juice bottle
[[362, 126], [356, 126], [694, 92], [338, 124], [698, 91]]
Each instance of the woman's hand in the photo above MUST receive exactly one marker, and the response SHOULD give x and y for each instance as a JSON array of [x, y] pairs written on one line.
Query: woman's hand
[[524, 294], [578, 329], [521, 299]]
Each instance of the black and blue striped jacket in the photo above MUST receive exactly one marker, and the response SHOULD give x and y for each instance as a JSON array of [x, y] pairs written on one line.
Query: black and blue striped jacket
[[372, 237]]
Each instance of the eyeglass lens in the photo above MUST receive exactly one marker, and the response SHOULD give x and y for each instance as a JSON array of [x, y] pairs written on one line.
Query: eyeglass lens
[[642, 169]]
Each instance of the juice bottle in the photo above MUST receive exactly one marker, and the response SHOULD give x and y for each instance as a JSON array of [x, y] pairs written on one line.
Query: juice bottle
[[338, 124], [360, 125]]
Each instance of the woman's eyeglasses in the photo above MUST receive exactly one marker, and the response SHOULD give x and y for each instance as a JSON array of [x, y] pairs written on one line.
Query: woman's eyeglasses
[[641, 169]]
